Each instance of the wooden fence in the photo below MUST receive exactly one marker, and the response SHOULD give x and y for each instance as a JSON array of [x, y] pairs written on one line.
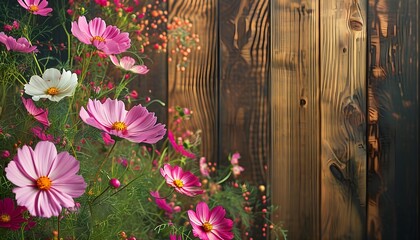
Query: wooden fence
[[320, 98]]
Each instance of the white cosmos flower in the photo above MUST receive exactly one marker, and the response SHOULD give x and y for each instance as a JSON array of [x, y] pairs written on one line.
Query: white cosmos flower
[[53, 85]]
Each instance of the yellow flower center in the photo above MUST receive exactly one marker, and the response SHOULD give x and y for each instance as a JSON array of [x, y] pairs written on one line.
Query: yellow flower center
[[98, 38], [44, 183], [119, 126], [207, 227], [178, 183], [5, 218], [33, 8], [52, 91]]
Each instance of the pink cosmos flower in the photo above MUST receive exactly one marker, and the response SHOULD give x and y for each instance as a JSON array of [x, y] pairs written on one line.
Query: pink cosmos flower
[[39, 114], [183, 182], [11, 216], [46, 181], [105, 38], [179, 148], [36, 7], [161, 202], [20, 45], [39, 132], [127, 63], [210, 224], [136, 125]]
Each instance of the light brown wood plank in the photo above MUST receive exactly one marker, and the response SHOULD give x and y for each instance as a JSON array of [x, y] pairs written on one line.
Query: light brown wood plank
[[343, 128], [393, 120], [295, 116], [196, 87]]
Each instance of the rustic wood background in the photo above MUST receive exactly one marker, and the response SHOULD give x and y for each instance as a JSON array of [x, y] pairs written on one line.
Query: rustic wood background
[[321, 100]]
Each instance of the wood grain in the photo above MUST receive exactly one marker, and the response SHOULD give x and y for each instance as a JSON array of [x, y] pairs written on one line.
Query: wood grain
[[244, 38], [197, 87], [343, 107], [295, 117], [393, 120]]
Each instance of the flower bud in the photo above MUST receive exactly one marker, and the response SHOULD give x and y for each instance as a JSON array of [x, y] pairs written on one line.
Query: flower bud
[[115, 183]]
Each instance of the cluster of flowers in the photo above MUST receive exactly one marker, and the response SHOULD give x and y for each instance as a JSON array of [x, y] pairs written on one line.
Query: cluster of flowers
[[60, 129]]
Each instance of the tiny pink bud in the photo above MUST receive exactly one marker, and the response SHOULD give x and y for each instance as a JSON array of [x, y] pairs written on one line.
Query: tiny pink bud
[[15, 24], [115, 183], [4, 154], [187, 111]]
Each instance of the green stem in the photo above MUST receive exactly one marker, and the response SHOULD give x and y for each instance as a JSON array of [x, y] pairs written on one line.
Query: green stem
[[103, 162], [102, 193], [225, 178], [37, 63], [120, 87]]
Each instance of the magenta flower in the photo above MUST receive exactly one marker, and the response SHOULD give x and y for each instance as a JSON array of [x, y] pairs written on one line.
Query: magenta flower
[[210, 224], [11, 216], [36, 7], [127, 63], [20, 45], [46, 181], [183, 182], [39, 114], [175, 237], [102, 3], [136, 125], [105, 38], [107, 138], [161, 202], [179, 148]]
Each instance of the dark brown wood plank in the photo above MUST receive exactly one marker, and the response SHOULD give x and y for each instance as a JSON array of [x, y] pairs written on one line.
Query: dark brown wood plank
[[244, 100], [197, 87], [244, 38], [393, 119], [295, 117], [343, 109]]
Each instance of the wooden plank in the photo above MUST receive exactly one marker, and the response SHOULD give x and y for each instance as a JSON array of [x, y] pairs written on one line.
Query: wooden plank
[[197, 87], [342, 103], [295, 116], [244, 29], [393, 119]]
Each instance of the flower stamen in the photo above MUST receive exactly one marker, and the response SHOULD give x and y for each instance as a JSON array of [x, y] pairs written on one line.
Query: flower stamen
[[33, 8], [44, 183], [207, 227], [5, 218], [178, 183], [119, 126], [98, 38], [52, 91]]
